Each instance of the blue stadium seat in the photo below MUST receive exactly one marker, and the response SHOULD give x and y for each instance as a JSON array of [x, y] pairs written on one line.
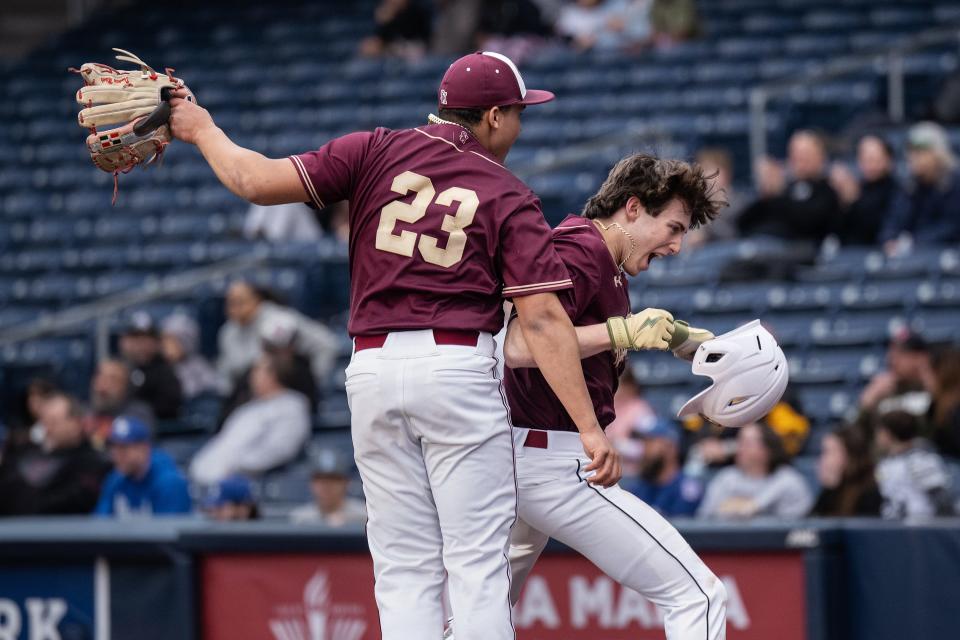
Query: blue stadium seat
[[937, 325], [922, 261], [746, 298], [659, 369], [677, 300], [897, 295], [793, 330], [826, 404], [182, 448], [333, 413], [943, 293], [804, 297], [835, 366], [289, 484], [861, 328], [57, 351]]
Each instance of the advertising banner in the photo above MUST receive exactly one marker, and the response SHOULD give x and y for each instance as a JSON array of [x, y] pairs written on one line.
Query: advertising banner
[[47, 602], [326, 597]]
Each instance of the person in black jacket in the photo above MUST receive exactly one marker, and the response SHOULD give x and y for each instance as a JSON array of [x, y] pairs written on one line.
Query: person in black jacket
[[153, 379], [846, 474], [63, 475], [867, 203], [806, 207]]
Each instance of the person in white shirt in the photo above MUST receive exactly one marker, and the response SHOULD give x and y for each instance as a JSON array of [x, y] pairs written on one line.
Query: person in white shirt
[[913, 480], [252, 319], [294, 222], [260, 435], [329, 480], [761, 482]]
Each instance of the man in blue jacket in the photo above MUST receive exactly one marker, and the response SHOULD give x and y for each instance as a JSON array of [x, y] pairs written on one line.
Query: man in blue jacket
[[145, 480], [931, 212], [662, 484]]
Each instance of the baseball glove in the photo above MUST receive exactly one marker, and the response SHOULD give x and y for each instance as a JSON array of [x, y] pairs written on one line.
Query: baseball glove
[[139, 100]]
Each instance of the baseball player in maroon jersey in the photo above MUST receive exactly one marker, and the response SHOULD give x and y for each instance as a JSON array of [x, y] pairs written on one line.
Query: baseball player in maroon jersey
[[641, 212], [440, 233]]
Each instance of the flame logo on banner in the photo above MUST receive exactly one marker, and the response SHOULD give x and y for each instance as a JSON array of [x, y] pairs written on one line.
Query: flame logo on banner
[[318, 620]]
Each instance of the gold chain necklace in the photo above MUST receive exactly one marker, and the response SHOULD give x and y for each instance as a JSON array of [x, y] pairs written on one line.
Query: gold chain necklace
[[624, 232]]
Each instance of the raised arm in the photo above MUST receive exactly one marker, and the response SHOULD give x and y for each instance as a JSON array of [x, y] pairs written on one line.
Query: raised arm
[[248, 174]]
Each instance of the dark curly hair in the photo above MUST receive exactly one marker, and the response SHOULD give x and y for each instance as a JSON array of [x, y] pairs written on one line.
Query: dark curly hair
[[656, 182]]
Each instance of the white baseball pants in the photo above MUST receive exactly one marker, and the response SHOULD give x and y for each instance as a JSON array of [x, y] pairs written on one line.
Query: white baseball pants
[[433, 445], [627, 539]]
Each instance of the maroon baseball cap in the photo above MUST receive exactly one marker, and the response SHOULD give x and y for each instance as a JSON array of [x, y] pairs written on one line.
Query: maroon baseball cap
[[486, 79]]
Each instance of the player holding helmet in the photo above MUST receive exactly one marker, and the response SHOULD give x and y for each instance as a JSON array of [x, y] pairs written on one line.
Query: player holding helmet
[[640, 213]]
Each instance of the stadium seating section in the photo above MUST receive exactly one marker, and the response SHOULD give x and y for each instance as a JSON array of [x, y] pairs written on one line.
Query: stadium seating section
[[293, 84]]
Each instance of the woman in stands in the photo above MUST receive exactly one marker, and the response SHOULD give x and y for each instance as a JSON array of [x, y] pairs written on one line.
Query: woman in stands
[[944, 415], [761, 483], [846, 474]]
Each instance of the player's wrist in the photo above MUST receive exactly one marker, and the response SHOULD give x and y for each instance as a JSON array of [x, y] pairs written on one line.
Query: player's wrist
[[618, 332]]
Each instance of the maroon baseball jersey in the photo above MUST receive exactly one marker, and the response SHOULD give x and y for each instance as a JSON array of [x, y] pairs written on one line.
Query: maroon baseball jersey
[[440, 231], [599, 292]]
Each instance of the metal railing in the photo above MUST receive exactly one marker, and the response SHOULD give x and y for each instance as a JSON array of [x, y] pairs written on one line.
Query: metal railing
[[887, 60], [103, 311]]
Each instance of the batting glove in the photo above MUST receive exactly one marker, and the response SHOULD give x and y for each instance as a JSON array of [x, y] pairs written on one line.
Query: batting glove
[[686, 339], [649, 329]]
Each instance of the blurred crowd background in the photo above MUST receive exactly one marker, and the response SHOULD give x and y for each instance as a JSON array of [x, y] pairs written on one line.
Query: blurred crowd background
[[182, 352]]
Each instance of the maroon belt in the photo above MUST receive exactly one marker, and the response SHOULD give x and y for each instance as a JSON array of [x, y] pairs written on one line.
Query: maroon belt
[[440, 336], [536, 439]]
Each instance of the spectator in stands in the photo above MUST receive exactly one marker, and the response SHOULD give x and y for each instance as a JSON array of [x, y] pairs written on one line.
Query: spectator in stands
[[761, 483], [179, 340], [329, 480], [605, 25], [253, 315], [63, 475], [806, 207], [260, 435], [913, 480], [294, 222], [152, 378], [402, 30], [454, 26], [674, 21], [932, 214], [110, 396], [514, 28], [661, 482], [718, 163], [845, 471], [944, 415], [278, 337], [868, 203], [24, 426], [145, 480], [905, 383], [232, 500]]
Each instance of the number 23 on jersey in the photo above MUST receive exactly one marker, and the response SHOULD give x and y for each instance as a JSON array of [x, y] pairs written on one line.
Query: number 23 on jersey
[[406, 241]]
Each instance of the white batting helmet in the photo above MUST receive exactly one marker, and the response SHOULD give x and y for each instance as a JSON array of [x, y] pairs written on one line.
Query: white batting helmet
[[749, 373]]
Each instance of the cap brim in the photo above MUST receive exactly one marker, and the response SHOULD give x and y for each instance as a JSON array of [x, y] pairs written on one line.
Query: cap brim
[[537, 96]]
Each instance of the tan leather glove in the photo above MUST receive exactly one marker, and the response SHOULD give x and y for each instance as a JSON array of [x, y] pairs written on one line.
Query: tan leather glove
[[649, 329], [686, 339]]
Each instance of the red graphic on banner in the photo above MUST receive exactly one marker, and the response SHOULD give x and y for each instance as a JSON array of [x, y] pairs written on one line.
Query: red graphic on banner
[[289, 597], [326, 597]]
